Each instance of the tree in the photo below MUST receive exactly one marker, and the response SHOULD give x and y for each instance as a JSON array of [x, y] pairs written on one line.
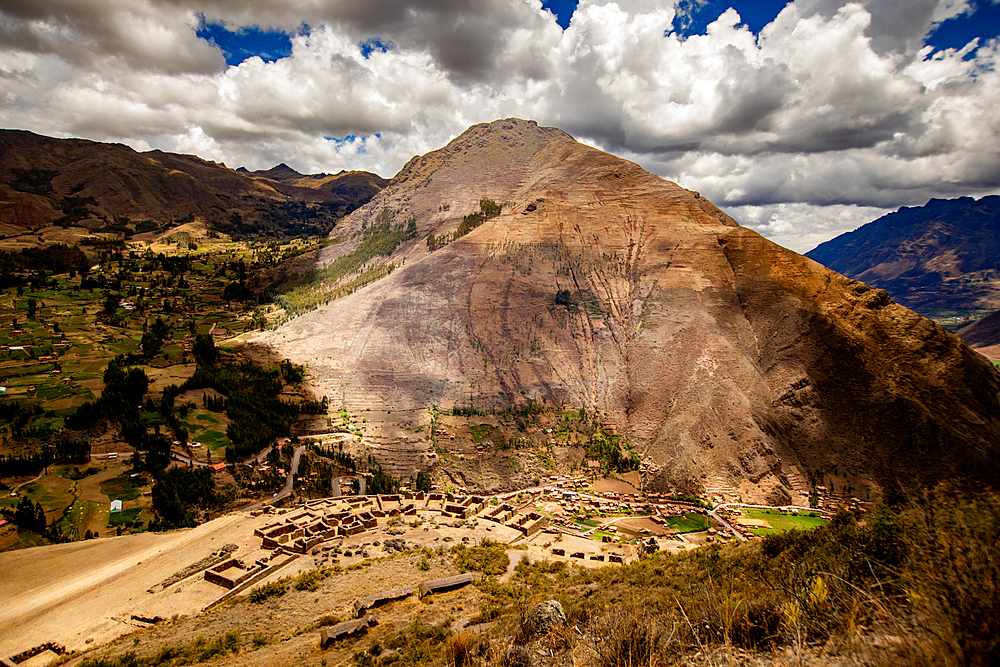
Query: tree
[[168, 506], [30, 515], [237, 291], [204, 350], [563, 298], [157, 454], [178, 493], [151, 344], [110, 306], [292, 373], [423, 481], [159, 328], [32, 308]]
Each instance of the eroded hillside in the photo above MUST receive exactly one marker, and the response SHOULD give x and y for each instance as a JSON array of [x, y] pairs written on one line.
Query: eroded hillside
[[721, 358]]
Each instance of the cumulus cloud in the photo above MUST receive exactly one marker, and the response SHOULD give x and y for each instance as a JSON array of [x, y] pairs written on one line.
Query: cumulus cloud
[[834, 112]]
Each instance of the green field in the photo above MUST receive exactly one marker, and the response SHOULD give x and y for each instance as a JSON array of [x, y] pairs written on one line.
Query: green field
[[692, 522], [208, 428], [781, 523], [120, 488], [119, 518], [80, 517]]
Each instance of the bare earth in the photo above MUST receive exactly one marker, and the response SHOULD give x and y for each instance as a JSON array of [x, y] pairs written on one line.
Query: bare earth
[[69, 593]]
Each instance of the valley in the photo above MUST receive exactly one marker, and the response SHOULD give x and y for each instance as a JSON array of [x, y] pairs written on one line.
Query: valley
[[522, 358]]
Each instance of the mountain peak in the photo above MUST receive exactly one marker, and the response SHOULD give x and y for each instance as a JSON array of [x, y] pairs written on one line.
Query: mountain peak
[[590, 283], [939, 259], [501, 144], [281, 172]]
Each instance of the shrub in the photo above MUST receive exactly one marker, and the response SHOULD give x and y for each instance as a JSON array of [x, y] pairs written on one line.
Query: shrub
[[309, 581], [461, 648], [489, 557], [952, 574], [259, 594], [628, 635]]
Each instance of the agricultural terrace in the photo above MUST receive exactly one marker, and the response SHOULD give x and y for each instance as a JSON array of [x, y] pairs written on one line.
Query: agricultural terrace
[[69, 312]]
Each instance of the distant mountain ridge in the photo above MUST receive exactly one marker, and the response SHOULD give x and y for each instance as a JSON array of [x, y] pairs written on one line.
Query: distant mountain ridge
[[982, 333], [941, 259], [74, 181]]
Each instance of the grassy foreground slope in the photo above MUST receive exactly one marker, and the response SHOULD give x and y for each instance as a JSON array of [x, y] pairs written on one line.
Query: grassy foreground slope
[[915, 585]]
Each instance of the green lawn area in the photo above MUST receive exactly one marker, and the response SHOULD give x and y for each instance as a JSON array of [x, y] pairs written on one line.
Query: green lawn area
[[692, 522], [80, 516], [120, 488], [781, 523], [207, 428], [124, 516]]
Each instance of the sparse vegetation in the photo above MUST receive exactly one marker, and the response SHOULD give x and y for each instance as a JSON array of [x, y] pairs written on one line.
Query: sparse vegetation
[[196, 652], [488, 209], [352, 271], [489, 557], [259, 594]]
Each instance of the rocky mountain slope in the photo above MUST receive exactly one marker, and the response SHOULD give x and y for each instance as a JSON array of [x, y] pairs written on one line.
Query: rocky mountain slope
[[721, 357], [47, 181], [941, 259]]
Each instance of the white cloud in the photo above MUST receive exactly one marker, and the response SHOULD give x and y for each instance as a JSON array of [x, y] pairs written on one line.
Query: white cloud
[[783, 223], [834, 112]]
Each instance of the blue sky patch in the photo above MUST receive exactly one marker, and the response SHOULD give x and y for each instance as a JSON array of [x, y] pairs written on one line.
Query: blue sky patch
[[983, 22], [563, 10], [237, 46], [370, 45], [693, 17]]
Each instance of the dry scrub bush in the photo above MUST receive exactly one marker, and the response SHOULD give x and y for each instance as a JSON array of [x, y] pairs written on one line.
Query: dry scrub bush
[[627, 635], [490, 558], [952, 575], [462, 648]]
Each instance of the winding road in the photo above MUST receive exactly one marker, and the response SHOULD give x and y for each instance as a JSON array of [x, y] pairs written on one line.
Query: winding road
[[285, 490], [336, 484]]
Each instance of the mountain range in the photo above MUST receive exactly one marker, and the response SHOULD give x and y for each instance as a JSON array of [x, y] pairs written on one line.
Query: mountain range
[[541, 271], [942, 259], [77, 182]]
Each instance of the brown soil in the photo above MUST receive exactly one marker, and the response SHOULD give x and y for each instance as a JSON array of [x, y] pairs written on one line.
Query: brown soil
[[289, 622], [606, 485], [69, 593]]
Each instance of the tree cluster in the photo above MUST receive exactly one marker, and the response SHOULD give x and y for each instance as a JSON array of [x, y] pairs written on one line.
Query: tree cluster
[[30, 515], [488, 209], [179, 492]]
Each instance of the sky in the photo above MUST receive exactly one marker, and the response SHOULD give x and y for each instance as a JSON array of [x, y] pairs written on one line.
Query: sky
[[801, 119]]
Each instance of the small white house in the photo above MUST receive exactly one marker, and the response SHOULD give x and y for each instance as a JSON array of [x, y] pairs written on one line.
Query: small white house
[[116, 506]]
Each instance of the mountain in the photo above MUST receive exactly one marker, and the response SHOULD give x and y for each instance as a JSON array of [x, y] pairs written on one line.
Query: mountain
[[941, 259], [351, 186], [73, 181], [720, 357], [982, 333]]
